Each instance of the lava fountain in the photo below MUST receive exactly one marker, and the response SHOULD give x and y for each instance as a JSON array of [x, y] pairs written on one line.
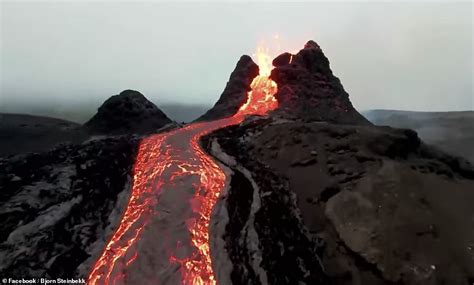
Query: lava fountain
[[165, 163], [260, 99]]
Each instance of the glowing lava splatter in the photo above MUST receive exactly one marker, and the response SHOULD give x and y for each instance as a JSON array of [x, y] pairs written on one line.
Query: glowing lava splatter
[[161, 163]]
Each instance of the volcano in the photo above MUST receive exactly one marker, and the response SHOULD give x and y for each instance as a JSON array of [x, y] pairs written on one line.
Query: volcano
[[281, 182], [318, 195], [125, 113]]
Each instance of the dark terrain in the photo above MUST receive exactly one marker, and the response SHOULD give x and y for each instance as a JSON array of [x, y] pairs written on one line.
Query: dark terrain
[[378, 200], [59, 206], [317, 193]]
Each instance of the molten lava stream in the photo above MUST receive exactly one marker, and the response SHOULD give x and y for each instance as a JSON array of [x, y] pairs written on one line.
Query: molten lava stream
[[166, 164]]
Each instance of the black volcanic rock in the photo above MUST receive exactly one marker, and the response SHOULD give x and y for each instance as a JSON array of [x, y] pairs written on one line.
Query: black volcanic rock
[[235, 92], [127, 113], [282, 59], [307, 89], [59, 207], [368, 204]]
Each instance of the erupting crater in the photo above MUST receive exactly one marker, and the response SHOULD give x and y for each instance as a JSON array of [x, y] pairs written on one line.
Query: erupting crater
[[161, 238]]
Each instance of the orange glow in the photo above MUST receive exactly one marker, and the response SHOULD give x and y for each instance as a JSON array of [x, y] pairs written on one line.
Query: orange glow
[[260, 99], [158, 164], [197, 268], [264, 61]]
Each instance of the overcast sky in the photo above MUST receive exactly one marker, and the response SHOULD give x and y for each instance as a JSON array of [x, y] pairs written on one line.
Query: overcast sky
[[388, 55]]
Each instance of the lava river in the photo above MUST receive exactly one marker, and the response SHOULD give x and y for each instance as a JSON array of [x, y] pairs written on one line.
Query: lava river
[[163, 237]]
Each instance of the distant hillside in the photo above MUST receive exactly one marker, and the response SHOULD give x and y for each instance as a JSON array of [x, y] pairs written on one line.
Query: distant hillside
[[27, 133], [452, 132], [81, 112]]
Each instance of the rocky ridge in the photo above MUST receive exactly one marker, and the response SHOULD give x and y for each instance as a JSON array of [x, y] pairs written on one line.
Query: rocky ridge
[[59, 206], [308, 90], [235, 91]]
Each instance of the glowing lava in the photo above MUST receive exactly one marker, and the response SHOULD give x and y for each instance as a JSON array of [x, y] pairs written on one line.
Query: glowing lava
[[164, 161], [260, 99]]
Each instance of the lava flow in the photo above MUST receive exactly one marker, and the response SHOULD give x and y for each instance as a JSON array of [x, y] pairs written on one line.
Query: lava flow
[[159, 233]]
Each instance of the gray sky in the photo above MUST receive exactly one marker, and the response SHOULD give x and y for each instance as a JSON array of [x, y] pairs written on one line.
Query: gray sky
[[387, 55]]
